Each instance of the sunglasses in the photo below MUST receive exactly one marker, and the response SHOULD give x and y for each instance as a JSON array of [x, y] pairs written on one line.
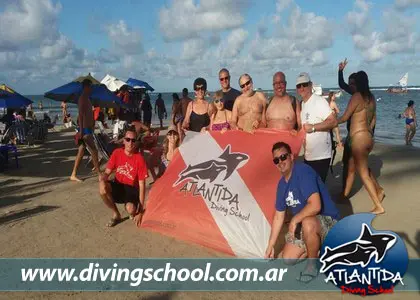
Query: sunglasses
[[217, 101], [282, 157], [129, 140], [224, 79], [298, 86], [245, 84], [200, 88]]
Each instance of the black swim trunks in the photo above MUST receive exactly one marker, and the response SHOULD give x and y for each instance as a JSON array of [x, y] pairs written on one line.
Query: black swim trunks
[[123, 193]]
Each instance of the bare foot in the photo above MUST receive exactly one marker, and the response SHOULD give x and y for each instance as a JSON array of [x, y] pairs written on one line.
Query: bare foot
[[74, 178], [378, 211], [381, 195]]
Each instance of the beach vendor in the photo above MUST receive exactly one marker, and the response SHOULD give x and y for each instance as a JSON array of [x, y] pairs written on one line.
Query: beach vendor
[[128, 186]]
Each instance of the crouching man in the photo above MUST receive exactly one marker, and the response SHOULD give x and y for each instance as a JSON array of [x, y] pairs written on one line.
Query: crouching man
[[128, 187], [301, 190]]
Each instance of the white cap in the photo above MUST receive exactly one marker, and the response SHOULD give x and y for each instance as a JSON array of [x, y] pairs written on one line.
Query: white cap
[[302, 78]]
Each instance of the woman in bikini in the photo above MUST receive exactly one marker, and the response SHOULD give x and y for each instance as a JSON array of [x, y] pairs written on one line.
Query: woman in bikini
[[362, 111], [410, 122], [170, 147], [161, 157], [197, 117], [221, 117]]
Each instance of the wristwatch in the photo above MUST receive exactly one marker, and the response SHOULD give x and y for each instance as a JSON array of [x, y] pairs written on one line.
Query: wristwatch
[[313, 128]]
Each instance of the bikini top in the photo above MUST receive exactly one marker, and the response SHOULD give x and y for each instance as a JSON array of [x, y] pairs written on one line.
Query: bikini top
[[220, 126], [164, 160], [197, 122]]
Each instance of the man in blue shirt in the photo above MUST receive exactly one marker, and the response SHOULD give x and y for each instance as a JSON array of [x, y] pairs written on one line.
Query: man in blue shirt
[[314, 213]]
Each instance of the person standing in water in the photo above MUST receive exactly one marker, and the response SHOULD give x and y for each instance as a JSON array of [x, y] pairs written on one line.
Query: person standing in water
[[410, 122]]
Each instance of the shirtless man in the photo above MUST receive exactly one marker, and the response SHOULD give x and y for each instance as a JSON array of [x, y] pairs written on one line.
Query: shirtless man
[[86, 128], [283, 111], [248, 112]]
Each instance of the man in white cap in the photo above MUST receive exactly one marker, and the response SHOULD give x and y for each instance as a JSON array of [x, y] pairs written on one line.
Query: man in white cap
[[317, 119]]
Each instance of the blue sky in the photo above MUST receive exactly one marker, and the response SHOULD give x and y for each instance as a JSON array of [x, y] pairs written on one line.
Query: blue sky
[[169, 43]]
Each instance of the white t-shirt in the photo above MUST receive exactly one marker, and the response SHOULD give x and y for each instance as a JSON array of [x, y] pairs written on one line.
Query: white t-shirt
[[317, 144]]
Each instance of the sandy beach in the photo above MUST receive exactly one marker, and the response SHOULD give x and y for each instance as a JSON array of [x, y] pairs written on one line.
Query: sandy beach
[[43, 214]]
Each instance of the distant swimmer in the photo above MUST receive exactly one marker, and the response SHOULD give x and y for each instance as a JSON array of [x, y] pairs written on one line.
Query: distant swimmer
[[410, 122], [283, 110], [248, 112]]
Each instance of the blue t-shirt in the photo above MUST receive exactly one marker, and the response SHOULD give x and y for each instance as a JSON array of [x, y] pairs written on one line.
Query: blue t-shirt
[[302, 184]]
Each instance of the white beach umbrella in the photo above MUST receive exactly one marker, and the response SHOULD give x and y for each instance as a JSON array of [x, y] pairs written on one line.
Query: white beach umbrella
[[112, 83]]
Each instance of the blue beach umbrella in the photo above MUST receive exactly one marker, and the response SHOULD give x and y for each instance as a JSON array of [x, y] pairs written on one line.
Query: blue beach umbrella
[[135, 83], [11, 99], [71, 92]]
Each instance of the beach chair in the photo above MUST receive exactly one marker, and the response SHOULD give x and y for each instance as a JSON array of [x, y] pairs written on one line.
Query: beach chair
[[149, 142]]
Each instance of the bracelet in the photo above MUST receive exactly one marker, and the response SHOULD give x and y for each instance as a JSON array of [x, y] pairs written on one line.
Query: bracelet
[[313, 128]]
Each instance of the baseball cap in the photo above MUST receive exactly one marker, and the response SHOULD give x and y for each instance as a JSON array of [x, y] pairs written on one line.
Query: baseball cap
[[302, 78]]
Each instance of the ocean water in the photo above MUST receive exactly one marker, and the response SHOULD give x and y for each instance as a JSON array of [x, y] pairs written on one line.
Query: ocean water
[[389, 128]]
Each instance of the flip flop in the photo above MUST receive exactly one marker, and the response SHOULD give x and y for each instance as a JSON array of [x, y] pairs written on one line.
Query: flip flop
[[307, 277], [113, 222]]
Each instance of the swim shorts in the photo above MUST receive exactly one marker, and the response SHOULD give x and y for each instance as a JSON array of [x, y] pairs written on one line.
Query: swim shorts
[[326, 222]]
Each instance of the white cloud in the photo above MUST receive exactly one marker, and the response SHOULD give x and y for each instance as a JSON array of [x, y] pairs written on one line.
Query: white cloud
[[302, 39], [283, 4], [399, 35], [124, 40], [185, 20], [56, 49], [193, 49], [403, 4], [27, 23], [234, 43]]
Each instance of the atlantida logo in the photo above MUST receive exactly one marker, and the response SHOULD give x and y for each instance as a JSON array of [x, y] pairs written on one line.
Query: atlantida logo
[[360, 260]]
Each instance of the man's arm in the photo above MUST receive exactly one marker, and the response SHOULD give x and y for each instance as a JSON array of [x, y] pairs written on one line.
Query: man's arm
[[263, 122], [142, 195], [234, 119], [105, 174], [298, 110], [275, 231], [82, 112], [327, 125]]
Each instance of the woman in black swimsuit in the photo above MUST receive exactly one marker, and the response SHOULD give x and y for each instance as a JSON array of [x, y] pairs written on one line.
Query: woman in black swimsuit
[[197, 117]]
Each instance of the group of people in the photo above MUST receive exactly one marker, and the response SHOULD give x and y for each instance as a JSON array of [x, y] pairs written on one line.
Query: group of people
[[302, 186]]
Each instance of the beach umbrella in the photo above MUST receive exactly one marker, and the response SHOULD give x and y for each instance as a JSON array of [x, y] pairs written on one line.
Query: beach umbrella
[[90, 77], [71, 92], [138, 84], [12, 99], [112, 83]]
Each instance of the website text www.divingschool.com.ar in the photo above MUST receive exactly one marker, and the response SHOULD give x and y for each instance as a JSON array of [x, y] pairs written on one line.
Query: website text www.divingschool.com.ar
[[136, 276]]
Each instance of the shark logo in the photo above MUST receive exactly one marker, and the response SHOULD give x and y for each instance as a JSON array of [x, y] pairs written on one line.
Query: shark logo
[[209, 170], [360, 260], [359, 251]]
